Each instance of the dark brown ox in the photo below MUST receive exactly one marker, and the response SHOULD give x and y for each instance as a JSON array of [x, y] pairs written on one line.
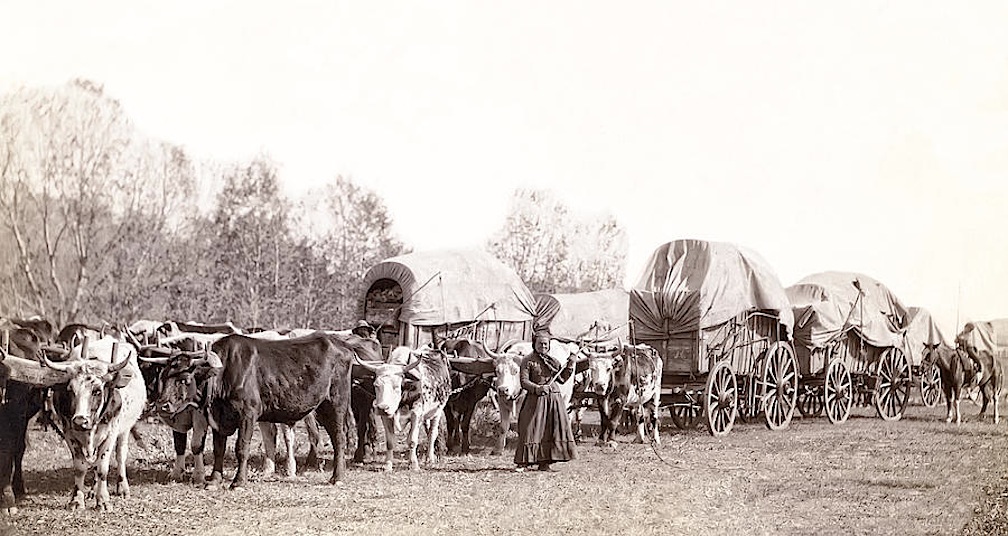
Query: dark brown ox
[[433, 380], [19, 402], [279, 381], [627, 378]]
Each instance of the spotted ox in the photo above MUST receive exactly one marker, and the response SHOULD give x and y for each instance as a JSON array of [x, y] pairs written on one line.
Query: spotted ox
[[98, 395], [628, 378], [433, 381], [476, 360], [249, 380]]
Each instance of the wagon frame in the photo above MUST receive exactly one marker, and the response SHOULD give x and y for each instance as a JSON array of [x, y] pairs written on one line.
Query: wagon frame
[[743, 369]]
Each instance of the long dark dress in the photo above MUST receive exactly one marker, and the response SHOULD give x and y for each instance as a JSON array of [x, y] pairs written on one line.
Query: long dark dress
[[544, 431]]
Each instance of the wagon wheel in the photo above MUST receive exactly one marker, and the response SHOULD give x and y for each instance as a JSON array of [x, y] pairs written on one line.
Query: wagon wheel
[[780, 386], [838, 392], [810, 401], [720, 399], [930, 386], [685, 411], [892, 386]]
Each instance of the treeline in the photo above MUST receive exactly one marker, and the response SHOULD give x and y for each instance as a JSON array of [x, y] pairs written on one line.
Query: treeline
[[101, 222]]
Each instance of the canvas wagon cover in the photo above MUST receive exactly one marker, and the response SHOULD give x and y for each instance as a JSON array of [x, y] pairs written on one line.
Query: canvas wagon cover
[[824, 305], [448, 287], [572, 316], [695, 284], [991, 335], [922, 333]]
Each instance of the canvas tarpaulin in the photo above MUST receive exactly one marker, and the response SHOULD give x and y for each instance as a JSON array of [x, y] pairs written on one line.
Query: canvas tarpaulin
[[922, 333], [448, 287], [991, 335], [584, 315], [828, 303], [690, 285]]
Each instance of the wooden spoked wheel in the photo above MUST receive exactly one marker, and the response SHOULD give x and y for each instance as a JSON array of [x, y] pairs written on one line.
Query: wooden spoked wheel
[[838, 392], [810, 401], [685, 411], [892, 385], [780, 385], [720, 399], [930, 385]]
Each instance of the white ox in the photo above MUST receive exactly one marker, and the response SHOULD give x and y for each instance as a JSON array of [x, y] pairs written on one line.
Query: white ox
[[425, 404], [103, 398]]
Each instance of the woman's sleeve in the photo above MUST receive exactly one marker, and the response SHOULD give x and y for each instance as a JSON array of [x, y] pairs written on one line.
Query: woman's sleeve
[[565, 374], [526, 383]]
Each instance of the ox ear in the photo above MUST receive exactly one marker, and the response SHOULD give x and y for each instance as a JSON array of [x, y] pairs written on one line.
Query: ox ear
[[119, 379]]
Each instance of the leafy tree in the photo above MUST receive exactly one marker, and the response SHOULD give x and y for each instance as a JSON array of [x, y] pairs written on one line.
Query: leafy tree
[[554, 250], [350, 228]]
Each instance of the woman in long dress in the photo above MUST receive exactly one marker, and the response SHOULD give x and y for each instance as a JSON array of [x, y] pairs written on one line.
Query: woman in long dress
[[544, 431]]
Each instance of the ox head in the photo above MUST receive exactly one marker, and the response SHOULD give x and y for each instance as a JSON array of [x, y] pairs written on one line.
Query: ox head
[[602, 368], [182, 379], [95, 370], [504, 367], [389, 377]]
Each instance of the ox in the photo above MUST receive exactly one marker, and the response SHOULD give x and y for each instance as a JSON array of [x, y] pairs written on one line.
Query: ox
[[244, 380], [433, 381], [98, 395], [476, 359], [19, 402], [467, 390], [629, 377]]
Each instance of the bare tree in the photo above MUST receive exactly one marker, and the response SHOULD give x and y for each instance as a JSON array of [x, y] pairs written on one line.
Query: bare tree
[[75, 180]]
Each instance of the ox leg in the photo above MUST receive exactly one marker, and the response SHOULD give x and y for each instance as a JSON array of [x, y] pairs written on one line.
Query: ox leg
[[269, 436], [17, 478], [121, 452], [199, 432], [219, 444], [7, 499], [179, 438], [101, 492], [314, 442], [80, 467], [390, 440], [505, 407], [289, 448], [433, 426], [246, 425], [333, 419], [361, 406], [958, 413], [453, 423], [414, 438]]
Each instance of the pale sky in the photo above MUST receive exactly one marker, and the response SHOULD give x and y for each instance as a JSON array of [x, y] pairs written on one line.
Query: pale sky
[[862, 136]]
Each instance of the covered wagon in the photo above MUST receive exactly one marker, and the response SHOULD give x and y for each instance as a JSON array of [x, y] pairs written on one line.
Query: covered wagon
[[923, 338], [850, 338], [990, 335], [597, 317], [718, 316], [416, 298]]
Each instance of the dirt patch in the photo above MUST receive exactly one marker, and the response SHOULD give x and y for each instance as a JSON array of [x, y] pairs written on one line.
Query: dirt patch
[[918, 476]]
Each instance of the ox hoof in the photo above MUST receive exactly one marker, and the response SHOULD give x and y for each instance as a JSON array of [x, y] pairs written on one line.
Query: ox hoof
[[216, 480], [103, 506], [175, 475], [388, 467], [199, 480], [9, 511], [496, 452], [77, 503], [123, 490], [269, 467]]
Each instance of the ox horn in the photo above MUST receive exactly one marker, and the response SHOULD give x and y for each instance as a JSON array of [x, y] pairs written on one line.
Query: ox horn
[[116, 367], [60, 367], [206, 357], [410, 366], [368, 366], [154, 360]]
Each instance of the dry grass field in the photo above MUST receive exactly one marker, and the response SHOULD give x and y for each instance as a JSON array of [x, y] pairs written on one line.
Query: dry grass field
[[917, 476]]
